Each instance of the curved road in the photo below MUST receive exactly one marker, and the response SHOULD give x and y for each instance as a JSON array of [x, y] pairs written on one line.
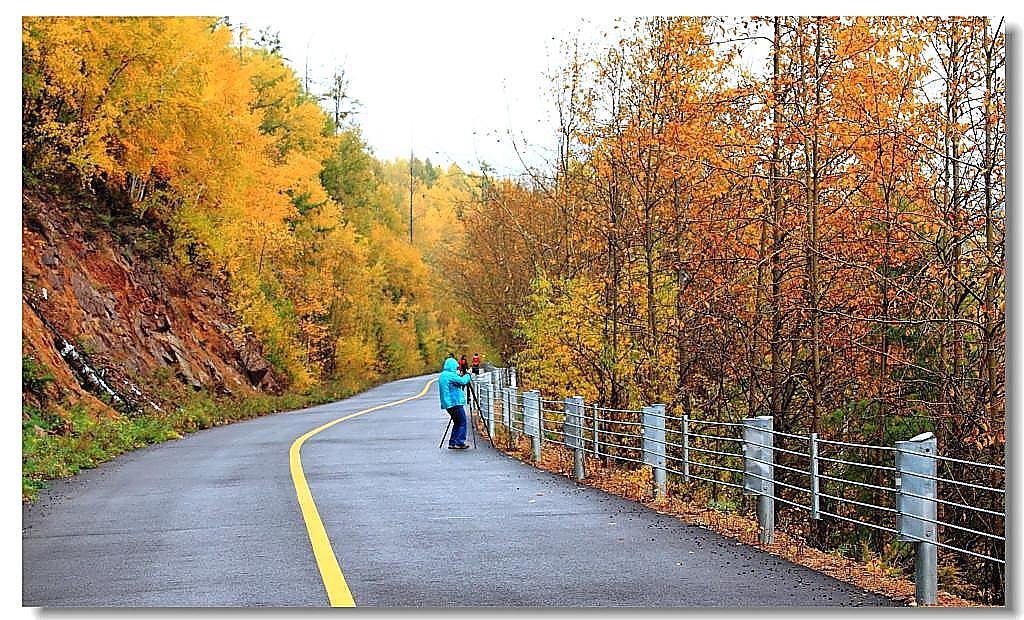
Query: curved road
[[214, 520]]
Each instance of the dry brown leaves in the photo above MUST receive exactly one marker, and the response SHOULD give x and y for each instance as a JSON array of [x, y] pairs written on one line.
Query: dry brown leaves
[[635, 485]]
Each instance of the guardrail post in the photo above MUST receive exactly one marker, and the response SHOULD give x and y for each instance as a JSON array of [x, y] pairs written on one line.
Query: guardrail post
[[512, 377], [686, 448], [487, 406], [758, 474], [510, 397], [815, 497], [573, 426], [915, 476], [597, 434], [490, 410], [654, 445], [490, 389], [481, 399], [531, 420]]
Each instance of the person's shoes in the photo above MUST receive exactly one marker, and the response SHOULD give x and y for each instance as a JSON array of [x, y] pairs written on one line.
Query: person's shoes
[[458, 446]]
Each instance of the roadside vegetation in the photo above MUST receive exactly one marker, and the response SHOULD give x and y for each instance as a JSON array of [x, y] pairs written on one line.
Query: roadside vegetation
[[59, 439]]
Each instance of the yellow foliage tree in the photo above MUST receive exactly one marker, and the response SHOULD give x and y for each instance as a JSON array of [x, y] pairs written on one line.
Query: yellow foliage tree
[[216, 143]]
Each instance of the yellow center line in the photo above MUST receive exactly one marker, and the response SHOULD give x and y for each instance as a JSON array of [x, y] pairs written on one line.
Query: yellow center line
[[334, 582]]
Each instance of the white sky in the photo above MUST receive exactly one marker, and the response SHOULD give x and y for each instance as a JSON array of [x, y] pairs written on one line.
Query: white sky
[[450, 84], [453, 80], [456, 81]]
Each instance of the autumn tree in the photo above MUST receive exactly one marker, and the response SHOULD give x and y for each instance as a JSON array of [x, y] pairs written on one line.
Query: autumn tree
[[816, 233]]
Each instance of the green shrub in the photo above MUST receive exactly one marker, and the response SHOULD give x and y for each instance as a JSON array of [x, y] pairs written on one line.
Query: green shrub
[[56, 445], [35, 376]]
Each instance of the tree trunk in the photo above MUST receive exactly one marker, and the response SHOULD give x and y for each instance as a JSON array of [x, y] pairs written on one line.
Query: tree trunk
[[775, 258]]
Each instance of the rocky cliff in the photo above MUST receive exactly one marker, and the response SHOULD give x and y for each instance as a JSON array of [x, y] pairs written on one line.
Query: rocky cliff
[[112, 322]]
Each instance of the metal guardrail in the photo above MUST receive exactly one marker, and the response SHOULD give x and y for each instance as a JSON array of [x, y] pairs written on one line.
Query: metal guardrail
[[802, 472]]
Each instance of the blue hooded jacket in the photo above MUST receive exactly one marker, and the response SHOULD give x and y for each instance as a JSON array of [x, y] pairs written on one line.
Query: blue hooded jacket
[[449, 384]]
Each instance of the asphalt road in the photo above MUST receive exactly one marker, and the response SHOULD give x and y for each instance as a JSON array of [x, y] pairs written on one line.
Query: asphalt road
[[213, 520]]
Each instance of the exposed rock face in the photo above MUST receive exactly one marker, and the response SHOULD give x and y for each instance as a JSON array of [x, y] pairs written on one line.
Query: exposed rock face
[[127, 320], [250, 356]]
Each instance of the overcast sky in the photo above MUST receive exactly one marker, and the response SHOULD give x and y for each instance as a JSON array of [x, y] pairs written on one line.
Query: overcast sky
[[451, 84], [452, 80]]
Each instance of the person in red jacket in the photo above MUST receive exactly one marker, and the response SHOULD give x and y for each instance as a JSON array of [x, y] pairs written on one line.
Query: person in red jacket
[[476, 363], [463, 366]]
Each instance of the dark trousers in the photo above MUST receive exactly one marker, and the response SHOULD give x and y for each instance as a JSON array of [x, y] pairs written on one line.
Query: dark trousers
[[458, 414]]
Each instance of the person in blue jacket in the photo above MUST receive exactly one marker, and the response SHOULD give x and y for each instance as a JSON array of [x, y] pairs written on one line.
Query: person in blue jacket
[[449, 384]]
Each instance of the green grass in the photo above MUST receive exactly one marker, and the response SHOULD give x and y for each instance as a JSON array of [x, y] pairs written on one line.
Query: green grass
[[35, 376], [58, 442]]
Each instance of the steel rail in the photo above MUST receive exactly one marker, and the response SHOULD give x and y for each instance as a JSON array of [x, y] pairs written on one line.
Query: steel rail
[[666, 442], [795, 470], [855, 502], [617, 445], [775, 448], [950, 503], [600, 408], [714, 423], [716, 467], [868, 465], [618, 422], [952, 548], [791, 503], [614, 434], [705, 451], [864, 523], [782, 434], [702, 478], [856, 445], [789, 486], [860, 484], [715, 437], [549, 422], [952, 460]]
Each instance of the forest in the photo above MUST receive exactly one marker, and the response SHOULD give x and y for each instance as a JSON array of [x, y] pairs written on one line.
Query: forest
[[199, 131], [801, 217]]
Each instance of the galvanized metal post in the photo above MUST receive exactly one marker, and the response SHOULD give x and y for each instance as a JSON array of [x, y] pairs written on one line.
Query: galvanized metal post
[[531, 420], [510, 397], [504, 406], [573, 425], [654, 445], [597, 434], [487, 406], [758, 474], [686, 448], [815, 497], [766, 517], [512, 377], [492, 390], [482, 394], [490, 411], [540, 419], [915, 481]]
